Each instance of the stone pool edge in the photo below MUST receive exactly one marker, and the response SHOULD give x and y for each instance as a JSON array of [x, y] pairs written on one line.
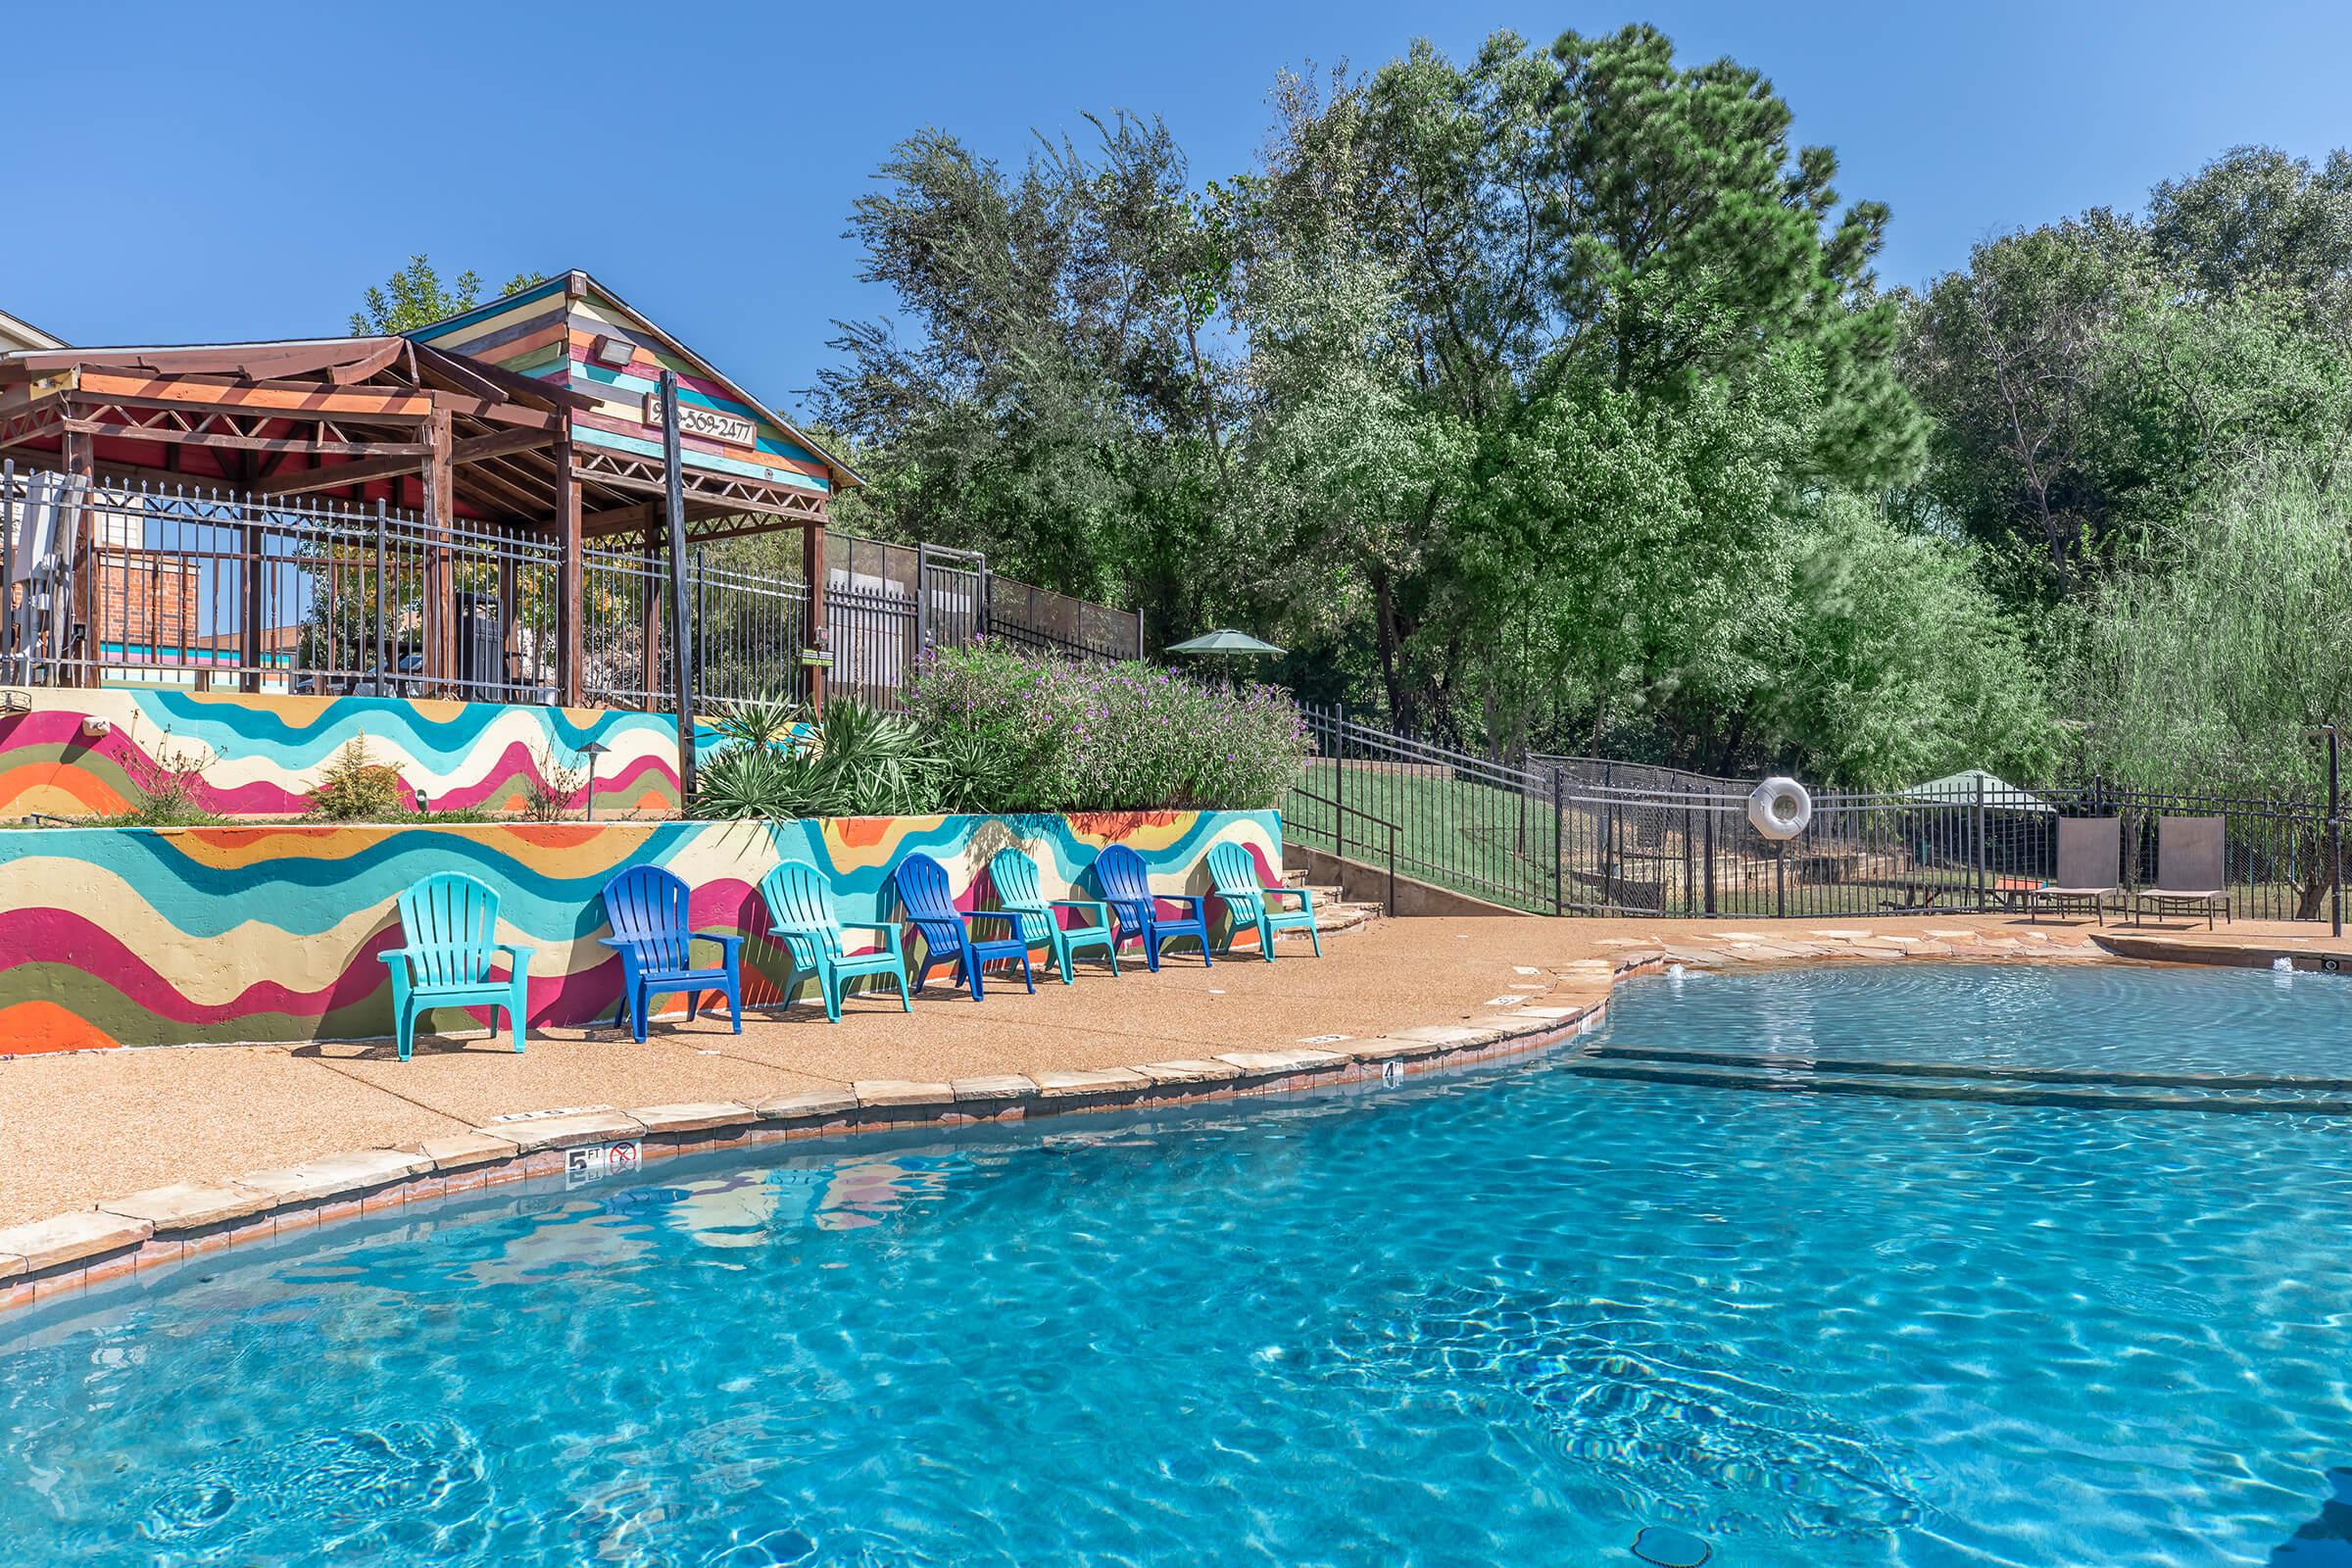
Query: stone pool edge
[[45, 1261]]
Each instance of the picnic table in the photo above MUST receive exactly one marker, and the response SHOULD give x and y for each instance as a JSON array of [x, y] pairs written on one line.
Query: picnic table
[[1919, 896]]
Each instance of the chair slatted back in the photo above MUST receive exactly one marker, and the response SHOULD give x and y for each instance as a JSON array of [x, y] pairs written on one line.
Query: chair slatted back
[[799, 897], [1014, 877], [1120, 872], [449, 923], [652, 908], [924, 888], [1232, 873], [2189, 853], [2089, 851]]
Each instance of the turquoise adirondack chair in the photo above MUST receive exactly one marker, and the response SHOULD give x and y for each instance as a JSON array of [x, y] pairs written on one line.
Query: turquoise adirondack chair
[[449, 923], [1233, 876], [799, 903], [1014, 876]]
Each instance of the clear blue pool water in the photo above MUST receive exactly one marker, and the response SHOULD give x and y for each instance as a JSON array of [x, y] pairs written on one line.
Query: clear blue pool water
[[1499, 1319]]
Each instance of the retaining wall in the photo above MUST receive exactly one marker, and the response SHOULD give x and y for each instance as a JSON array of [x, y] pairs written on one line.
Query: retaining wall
[[194, 936]]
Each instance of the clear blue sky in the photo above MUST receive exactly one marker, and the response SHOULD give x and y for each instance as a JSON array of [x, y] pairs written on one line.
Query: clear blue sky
[[181, 172]]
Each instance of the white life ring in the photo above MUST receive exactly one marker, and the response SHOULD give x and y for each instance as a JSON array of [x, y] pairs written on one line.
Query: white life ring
[[1780, 808]]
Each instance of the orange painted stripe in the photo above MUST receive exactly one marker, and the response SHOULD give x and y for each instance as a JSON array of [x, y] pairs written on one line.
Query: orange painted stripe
[[29, 1028], [256, 397]]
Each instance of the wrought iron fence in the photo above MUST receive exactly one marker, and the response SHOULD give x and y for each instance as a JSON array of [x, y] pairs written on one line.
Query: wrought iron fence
[[1568, 835], [141, 583]]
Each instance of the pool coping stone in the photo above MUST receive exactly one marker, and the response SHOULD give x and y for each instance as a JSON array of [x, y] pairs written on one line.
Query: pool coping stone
[[141, 1232]]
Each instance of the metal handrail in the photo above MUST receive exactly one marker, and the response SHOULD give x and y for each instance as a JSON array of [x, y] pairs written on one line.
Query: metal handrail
[[1338, 834]]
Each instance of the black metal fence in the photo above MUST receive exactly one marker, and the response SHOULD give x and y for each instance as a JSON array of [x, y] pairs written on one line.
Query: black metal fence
[[1562, 835], [138, 583]]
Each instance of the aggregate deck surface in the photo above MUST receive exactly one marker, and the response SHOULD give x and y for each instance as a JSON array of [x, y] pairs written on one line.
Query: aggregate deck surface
[[82, 1127]]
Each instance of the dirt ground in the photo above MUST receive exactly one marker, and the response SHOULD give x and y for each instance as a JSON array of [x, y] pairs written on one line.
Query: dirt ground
[[80, 1127]]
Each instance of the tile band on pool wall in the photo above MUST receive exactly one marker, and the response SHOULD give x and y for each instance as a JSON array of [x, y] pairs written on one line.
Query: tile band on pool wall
[[262, 754], [271, 933]]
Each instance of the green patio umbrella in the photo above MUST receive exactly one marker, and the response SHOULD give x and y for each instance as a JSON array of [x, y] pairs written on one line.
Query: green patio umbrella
[[1226, 641]]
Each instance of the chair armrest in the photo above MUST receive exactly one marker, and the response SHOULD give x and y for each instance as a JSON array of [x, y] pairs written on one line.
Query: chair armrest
[[1306, 900], [395, 958], [728, 940], [516, 950], [1199, 901], [969, 915], [868, 925], [1101, 906]]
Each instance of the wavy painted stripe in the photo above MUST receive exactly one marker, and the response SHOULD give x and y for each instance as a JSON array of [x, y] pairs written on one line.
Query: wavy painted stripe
[[271, 932]]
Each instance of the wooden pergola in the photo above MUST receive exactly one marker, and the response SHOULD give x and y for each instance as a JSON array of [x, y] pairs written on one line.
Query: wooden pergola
[[446, 434]]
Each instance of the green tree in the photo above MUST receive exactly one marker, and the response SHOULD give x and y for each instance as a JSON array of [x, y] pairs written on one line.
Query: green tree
[[416, 297], [2209, 666]]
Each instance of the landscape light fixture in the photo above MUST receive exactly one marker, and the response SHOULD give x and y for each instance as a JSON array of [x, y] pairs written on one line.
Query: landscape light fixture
[[612, 349], [592, 750]]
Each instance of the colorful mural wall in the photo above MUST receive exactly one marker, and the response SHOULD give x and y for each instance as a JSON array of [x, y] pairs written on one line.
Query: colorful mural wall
[[260, 755], [190, 936]]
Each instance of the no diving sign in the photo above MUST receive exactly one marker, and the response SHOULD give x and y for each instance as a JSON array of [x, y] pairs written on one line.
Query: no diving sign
[[594, 1162]]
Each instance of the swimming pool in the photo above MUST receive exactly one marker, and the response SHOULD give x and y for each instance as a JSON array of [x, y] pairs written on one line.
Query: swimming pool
[[1503, 1318]]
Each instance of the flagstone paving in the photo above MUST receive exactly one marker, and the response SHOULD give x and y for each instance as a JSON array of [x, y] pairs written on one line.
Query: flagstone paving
[[156, 1136]]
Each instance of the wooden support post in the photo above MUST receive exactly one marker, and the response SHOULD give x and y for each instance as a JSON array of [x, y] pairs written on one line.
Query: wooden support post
[[813, 629], [78, 610], [571, 601], [681, 617], [440, 562]]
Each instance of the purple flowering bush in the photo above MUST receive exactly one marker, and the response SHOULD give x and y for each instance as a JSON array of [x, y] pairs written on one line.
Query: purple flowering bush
[[1021, 731]]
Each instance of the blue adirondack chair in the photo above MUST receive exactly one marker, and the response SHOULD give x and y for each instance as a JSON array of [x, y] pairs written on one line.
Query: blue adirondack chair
[[1232, 875], [800, 905], [449, 923], [1127, 888], [648, 910], [1014, 875], [947, 931]]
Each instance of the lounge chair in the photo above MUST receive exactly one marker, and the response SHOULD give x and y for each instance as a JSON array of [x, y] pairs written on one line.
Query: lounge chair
[[450, 925], [1233, 875], [947, 931], [800, 907], [2190, 869], [2090, 850], [1014, 876], [1127, 888], [648, 910]]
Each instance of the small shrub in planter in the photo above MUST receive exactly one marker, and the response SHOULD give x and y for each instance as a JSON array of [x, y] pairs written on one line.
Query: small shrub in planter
[[355, 787]]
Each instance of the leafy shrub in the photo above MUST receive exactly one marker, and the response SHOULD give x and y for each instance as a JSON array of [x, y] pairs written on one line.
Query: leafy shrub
[[354, 787], [1027, 732]]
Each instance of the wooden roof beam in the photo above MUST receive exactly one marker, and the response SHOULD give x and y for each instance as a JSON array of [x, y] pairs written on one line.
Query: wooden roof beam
[[332, 477]]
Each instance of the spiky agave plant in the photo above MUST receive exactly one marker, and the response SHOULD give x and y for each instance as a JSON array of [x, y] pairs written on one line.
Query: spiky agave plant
[[764, 767], [871, 763]]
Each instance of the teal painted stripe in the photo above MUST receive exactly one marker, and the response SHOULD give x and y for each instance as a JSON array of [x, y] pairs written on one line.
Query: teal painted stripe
[[235, 730], [700, 460], [639, 386]]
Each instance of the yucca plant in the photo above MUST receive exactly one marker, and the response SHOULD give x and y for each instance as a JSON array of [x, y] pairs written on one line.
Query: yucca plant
[[871, 763], [851, 761]]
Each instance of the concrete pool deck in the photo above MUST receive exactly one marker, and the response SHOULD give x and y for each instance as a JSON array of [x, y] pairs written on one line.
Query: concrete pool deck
[[177, 1140]]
